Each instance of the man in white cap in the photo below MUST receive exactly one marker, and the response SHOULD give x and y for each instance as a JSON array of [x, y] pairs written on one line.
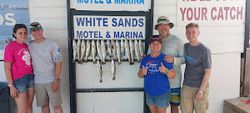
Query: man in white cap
[[172, 46]]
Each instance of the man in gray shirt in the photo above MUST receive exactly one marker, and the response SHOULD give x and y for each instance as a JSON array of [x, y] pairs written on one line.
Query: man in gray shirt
[[194, 93], [172, 47], [47, 66]]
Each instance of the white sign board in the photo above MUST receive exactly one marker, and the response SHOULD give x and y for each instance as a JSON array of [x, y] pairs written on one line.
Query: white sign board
[[109, 27], [111, 5], [211, 12]]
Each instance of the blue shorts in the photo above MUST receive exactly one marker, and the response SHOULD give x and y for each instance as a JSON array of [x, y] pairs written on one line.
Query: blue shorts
[[161, 101], [22, 84], [175, 96]]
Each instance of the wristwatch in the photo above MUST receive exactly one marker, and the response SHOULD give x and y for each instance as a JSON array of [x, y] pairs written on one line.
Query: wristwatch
[[200, 91], [58, 79]]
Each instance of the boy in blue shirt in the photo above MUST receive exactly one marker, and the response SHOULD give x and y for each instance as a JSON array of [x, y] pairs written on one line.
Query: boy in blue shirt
[[156, 73]]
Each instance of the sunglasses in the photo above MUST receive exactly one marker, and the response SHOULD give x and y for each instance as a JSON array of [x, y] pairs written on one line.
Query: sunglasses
[[35, 24], [162, 20]]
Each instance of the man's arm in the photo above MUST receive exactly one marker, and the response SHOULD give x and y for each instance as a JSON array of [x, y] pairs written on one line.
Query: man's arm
[[58, 70], [180, 58], [204, 83], [205, 79], [56, 83], [57, 58]]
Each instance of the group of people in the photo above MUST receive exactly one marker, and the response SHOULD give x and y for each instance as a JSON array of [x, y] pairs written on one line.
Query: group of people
[[33, 69], [161, 70], [36, 69]]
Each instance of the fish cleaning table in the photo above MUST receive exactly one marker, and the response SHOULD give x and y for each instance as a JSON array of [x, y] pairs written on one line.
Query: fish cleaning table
[[237, 105]]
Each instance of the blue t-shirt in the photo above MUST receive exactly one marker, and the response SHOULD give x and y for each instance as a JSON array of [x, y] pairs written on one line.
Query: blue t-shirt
[[155, 82]]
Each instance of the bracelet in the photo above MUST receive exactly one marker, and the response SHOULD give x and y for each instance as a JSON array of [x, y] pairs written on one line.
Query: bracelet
[[166, 71], [10, 85]]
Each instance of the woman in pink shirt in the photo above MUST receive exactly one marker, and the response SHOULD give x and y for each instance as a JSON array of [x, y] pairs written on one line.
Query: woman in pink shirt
[[18, 70]]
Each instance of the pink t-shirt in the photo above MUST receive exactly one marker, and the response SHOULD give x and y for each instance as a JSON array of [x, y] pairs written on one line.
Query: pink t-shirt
[[19, 56]]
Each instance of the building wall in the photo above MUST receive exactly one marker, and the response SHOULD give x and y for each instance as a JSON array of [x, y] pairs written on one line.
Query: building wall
[[225, 42]]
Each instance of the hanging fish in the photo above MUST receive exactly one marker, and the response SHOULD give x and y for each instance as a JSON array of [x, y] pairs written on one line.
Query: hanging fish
[[132, 49], [103, 49], [137, 51], [113, 48], [99, 70], [78, 54], [122, 49], [127, 51], [113, 69], [83, 50], [93, 51], [109, 48], [99, 49], [118, 52], [74, 45], [87, 50], [141, 48]]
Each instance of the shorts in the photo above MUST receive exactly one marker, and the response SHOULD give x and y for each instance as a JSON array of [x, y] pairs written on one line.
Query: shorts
[[22, 84], [189, 102], [175, 96], [161, 101], [45, 95]]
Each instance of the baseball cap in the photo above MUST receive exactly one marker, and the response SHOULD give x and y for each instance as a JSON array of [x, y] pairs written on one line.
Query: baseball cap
[[163, 20], [35, 26], [155, 38]]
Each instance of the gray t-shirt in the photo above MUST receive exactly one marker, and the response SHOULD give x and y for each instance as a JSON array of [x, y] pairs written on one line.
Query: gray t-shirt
[[173, 46], [197, 58], [44, 57]]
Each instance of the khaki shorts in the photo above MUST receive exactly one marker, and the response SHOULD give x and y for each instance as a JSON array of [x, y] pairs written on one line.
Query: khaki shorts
[[44, 95], [189, 103]]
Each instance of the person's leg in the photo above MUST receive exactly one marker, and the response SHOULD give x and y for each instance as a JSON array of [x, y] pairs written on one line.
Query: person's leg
[[161, 110], [22, 99], [55, 99], [150, 101], [21, 102], [174, 109], [30, 93], [175, 99], [45, 108], [201, 106], [58, 109], [42, 98], [153, 108], [162, 102], [30, 97], [186, 99]]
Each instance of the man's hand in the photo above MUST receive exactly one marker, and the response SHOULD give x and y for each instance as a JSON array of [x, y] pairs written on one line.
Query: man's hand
[[199, 95], [169, 59], [55, 85]]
